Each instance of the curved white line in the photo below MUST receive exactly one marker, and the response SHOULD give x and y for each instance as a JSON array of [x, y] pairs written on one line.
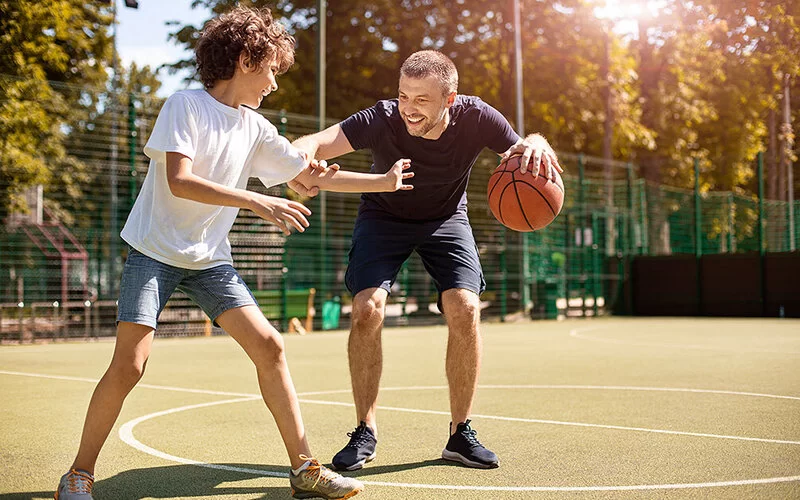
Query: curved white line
[[127, 437], [248, 396]]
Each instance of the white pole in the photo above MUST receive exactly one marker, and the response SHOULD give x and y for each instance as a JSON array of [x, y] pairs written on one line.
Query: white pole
[[787, 119], [526, 269]]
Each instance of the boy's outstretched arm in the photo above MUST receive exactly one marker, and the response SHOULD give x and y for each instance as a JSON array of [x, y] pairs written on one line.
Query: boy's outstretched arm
[[343, 181], [183, 183]]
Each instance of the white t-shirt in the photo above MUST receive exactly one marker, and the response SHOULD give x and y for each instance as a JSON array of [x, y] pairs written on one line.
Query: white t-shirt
[[227, 146]]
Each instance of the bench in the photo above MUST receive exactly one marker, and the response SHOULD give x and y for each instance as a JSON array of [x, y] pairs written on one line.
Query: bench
[[288, 305]]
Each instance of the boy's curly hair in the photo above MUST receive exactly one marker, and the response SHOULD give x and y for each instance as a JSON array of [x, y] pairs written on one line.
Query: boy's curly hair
[[243, 30]]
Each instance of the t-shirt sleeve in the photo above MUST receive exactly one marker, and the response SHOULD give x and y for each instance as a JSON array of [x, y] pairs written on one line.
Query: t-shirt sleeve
[[365, 128], [175, 130], [276, 160], [494, 126]]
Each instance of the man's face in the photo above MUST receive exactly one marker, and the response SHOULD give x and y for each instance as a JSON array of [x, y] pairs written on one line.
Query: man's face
[[423, 107]]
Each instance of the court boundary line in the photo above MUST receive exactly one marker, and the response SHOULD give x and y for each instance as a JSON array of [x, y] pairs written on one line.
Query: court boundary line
[[128, 438]]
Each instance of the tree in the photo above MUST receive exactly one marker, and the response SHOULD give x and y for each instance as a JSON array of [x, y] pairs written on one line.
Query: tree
[[46, 41]]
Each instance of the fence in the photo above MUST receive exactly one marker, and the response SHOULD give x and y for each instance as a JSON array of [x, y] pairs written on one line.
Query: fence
[[61, 260]]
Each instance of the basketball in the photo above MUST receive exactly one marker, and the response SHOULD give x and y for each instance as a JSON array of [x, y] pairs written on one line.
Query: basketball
[[523, 202]]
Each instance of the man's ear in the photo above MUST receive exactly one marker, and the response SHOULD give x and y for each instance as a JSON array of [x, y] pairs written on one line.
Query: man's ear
[[451, 99]]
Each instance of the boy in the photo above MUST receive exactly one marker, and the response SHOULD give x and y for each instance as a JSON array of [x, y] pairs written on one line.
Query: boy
[[203, 148]]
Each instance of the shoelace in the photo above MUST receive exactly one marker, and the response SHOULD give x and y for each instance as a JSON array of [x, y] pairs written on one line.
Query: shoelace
[[323, 474], [79, 482], [358, 437], [471, 436]]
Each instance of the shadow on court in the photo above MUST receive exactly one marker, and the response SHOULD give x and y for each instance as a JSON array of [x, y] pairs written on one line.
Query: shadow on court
[[187, 481], [371, 470], [177, 481]]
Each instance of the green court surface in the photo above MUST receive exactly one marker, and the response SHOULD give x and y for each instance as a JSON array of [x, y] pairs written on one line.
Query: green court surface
[[605, 408]]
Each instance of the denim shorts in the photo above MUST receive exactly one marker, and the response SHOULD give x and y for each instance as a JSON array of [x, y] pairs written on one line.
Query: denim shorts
[[446, 247], [147, 284]]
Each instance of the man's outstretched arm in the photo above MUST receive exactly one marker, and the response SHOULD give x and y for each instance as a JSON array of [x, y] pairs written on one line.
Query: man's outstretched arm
[[329, 143]]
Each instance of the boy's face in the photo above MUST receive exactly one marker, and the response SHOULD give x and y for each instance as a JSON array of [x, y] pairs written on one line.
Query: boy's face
[[423, 107], [259, 81]]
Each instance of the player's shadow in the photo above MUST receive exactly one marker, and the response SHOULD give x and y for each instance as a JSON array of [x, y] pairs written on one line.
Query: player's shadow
[[373, 469], [179, 481]]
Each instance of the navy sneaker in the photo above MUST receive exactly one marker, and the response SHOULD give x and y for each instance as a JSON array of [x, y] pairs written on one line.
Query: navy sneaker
[[464, 447], [360, 449]]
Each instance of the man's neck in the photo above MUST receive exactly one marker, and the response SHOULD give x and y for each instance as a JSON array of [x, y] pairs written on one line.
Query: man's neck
[[439, 129]]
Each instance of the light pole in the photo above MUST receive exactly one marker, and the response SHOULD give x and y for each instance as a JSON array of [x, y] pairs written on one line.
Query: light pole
[[115, 258], [608, 135], [322, 10], [525, 292]]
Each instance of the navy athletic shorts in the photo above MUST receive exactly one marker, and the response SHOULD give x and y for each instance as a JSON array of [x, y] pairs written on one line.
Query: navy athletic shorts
[[446, 246]]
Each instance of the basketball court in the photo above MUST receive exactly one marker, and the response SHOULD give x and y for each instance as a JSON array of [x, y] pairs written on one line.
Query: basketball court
[[602, 408]]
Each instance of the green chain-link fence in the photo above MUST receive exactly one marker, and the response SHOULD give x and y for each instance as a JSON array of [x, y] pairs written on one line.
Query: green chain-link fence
[[61, 259]]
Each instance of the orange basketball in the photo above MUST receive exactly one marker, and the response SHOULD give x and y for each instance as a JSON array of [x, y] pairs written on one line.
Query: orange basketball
[[524, 202]]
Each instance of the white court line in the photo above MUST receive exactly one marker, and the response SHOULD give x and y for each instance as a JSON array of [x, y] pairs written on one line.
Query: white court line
[[126, 433], [249, 396], [146, 386], [577, 333]]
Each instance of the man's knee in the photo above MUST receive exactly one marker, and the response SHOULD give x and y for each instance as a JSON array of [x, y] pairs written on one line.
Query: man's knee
[[462, 306], [369, 306]]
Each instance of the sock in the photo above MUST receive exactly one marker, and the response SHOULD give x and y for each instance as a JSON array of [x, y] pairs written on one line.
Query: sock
[[301, 468]]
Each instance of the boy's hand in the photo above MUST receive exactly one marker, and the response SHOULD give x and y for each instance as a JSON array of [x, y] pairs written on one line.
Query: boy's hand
[[397, 174], [319, 167], [281, 212], [537, 147]]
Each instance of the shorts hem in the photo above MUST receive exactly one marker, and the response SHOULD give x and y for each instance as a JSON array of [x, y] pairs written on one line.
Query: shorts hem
[[217, 312], [139, 321]]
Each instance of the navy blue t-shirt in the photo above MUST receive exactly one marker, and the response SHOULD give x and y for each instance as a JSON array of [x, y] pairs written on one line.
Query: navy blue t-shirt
[[441, 167]]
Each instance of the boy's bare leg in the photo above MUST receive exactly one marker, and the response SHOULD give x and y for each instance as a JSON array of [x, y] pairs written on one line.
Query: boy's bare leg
[[463, 362], [264, 346], [365, 353], [127, 367]]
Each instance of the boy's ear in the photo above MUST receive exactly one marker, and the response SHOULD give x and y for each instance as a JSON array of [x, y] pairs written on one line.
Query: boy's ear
[[245, 63]]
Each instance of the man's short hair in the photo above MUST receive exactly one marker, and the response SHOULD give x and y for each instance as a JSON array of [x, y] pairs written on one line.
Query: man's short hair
[[432, 63], [243, 30]]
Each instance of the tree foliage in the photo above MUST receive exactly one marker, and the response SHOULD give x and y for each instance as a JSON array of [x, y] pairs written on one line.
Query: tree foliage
[[698, 79], [46, 41]]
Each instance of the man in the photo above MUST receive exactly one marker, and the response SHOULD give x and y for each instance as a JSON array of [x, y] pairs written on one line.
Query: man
[[442, 133]]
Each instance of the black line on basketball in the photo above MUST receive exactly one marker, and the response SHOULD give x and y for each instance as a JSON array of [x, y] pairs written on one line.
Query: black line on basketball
[[542, 195], [519, 202], [548, 180], [496, 183]]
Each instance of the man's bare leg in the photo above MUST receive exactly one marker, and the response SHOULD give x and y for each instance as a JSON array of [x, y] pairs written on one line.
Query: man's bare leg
[[365, 352], [463, 362]]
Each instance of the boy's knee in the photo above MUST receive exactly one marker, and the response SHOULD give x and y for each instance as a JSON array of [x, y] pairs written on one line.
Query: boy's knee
[[270, 349], [127, 373]]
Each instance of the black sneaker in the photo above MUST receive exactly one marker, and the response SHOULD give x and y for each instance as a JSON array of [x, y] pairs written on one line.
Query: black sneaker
[[360, 449], [464, 447]]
